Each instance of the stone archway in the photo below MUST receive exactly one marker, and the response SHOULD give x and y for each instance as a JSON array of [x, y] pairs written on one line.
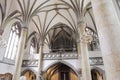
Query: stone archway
[[60, 71], [29, 74], [96, 75]]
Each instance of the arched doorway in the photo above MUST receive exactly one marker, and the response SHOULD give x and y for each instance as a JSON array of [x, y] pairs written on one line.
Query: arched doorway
[[96, 75], [29, 75], [60, 71]]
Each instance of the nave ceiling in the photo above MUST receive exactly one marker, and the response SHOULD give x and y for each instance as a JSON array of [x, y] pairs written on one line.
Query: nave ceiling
[[42, 16]]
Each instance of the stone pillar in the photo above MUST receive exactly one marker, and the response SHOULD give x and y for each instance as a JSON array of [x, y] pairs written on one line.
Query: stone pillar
[[79, 58], [40, 63], [108, 27], [84, 38], [20, 53]]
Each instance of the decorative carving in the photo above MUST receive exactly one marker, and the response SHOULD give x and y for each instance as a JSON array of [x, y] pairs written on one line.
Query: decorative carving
[[61, 56], [86, 38], [96, 61], [29, 63], [94, 44], [34, 63]]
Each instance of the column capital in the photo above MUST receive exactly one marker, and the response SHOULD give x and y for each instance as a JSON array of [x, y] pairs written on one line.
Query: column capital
[[86, 38]]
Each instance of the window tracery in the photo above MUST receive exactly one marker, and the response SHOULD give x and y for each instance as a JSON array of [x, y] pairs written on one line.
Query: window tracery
[[12, 44], [33, 46]]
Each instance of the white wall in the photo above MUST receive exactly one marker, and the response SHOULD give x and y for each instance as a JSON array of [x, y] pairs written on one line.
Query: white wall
[[6, 68], [2, 50], [95, 54]]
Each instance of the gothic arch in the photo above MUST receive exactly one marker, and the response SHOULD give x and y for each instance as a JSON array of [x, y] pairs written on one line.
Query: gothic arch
[[28, 69], [66, 63], [60, 69], [28, 74], [60, 35], [101, 71]]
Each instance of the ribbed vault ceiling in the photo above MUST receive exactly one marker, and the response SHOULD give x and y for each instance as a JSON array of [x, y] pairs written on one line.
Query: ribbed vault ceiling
[[42, 16]]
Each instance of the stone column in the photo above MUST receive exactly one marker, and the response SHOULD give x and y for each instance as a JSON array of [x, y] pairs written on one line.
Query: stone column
[[20, 53], [40, 63], [79, 58], [84, 38], [108, 27]]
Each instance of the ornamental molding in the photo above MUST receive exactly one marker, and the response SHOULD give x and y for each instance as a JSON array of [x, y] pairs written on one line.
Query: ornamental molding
[[86, 38], [94, 61]]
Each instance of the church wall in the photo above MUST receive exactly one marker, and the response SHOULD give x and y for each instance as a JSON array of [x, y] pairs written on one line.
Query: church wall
[[95, 54], [2, 50], [6, 68]]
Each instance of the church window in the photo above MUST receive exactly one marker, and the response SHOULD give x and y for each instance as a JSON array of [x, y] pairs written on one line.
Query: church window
[[12, 44], [32, 46]]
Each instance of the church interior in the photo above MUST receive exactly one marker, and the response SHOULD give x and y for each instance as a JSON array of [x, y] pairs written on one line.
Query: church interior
[[59, 40]]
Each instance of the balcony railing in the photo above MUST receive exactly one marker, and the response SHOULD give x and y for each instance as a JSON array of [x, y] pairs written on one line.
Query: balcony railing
[[96, 61], [60, 56], [56, 56]]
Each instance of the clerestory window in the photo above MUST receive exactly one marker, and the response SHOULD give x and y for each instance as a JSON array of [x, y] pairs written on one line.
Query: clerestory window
[[33, 46], [12, 44]]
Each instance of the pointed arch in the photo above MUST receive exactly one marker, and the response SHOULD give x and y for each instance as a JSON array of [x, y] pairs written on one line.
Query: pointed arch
[[59, 70], [29, 74], [65, 63], [100, 72]]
